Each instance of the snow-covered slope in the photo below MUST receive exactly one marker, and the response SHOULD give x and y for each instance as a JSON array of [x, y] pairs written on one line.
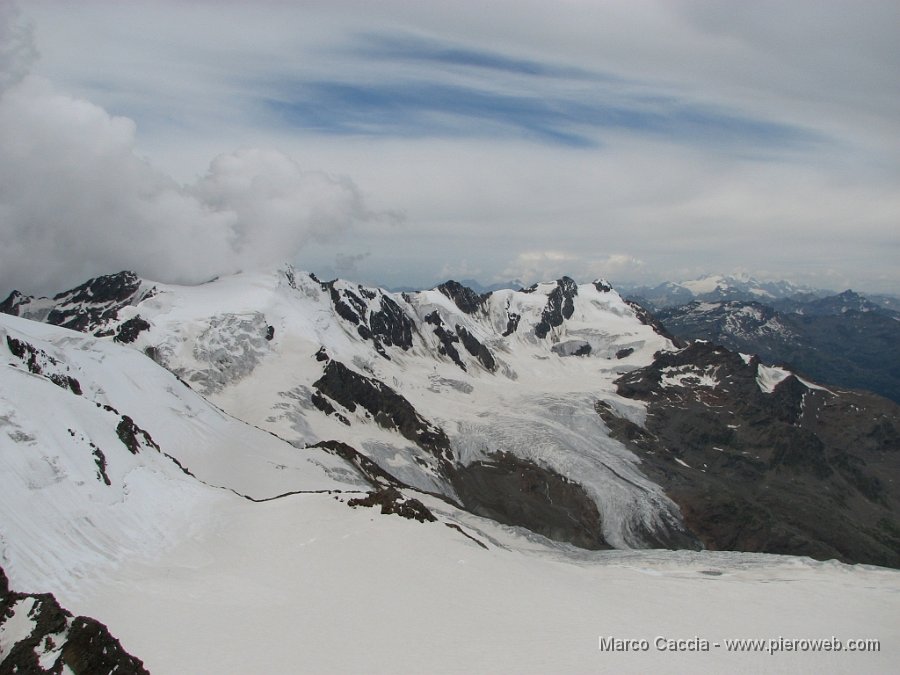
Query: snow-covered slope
[[489, 400], [513, 373], [208, 545], [305, 585], [96, 448]]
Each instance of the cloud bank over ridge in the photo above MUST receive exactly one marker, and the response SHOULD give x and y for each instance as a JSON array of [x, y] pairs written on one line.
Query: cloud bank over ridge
[[77, 200]]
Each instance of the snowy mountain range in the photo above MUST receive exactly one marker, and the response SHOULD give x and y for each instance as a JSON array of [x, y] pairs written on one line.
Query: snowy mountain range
[[717, 288], [843, 340], [178, 463]]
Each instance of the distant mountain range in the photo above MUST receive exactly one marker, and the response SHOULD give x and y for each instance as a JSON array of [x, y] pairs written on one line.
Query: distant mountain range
[[723, 288], [715, 288], [842, 339]]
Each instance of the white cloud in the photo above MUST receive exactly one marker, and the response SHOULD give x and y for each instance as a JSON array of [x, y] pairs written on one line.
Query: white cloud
[[670, 202], [75, 201]]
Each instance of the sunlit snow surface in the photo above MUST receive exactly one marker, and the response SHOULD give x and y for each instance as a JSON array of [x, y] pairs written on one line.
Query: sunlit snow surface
[[305, 584]]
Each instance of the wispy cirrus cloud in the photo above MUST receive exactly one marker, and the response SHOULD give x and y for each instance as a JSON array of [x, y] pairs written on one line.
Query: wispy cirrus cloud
[[449, 90], [417, 49]]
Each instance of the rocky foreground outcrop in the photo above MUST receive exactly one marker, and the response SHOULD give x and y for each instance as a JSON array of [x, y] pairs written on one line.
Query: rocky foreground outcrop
[[39, 636]]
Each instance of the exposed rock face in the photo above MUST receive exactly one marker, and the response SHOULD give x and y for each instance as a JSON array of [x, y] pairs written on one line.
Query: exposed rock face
[[842, 340], [392, 501], [388, 408], [377, 317], [512, 323], [796, 470], [133, 437], [560, 306], [39, 636], [464, 297], [13, 303], [40, 363], [448, 339], [87, 308], [515, 491], [128, 331], [476, 348]]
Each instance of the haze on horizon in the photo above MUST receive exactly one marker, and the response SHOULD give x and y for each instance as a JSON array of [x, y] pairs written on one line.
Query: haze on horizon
[[404, 143]]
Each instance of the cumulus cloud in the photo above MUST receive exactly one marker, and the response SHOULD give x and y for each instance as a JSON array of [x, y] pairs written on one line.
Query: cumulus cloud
[[76, 200], [274, 207]]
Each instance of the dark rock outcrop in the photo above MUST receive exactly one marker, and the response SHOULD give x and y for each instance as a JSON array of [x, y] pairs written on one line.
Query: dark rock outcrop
[[515, 491], [476, 348], [87, 308], [560, 306], [41, 363], [447, 338], [388, 408], [391, 500], [133, 437], [13, 302], [842, 340], [386, 325], [800, 470], [128, 331], [463, 297], [512, 323], [57, 641]]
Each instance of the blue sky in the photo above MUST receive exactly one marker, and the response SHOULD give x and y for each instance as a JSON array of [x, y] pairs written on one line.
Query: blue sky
[[402, 143], [514, 98]]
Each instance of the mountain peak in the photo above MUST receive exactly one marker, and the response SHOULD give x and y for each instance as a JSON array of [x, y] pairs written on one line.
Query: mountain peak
[[465, 298]]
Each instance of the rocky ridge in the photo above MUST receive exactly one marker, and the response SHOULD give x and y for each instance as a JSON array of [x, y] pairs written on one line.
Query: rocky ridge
[[491, 402]]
